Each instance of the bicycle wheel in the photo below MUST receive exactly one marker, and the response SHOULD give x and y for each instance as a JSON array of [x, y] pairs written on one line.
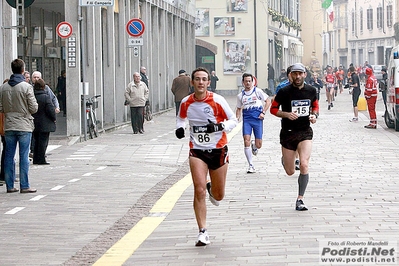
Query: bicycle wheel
[[94, 123], [90, 127]]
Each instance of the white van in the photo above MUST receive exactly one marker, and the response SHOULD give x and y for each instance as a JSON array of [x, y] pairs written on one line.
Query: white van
[[391, 115]]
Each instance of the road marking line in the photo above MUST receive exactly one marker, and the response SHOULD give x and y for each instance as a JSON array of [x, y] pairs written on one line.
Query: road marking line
[[122, 250], [157, 157], [74, 180], [171, 196], [52, 147], [127, 245], [234, 131], [87, 174], [39, 197], [101, 168], [57, 187], [15, 210]]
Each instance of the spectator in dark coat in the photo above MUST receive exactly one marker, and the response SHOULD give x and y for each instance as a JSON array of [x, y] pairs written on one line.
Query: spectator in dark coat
[[283, 76], [44, 122], [61, 90], [180, 88]]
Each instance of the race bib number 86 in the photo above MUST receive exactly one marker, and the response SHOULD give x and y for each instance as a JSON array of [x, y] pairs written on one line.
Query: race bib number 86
[[200, 135], [301, 107]]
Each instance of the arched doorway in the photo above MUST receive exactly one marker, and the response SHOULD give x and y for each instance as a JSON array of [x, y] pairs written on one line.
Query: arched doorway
[[205, 55]]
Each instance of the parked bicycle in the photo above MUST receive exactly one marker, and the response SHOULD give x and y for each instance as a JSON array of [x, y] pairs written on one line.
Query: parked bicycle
[[92, 122]]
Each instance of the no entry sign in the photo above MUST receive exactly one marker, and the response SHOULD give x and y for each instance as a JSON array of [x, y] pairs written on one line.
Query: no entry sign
[[135, 27]]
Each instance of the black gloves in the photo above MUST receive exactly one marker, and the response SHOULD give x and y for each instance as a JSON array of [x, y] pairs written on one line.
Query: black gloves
[[212, 127], [180, 133]]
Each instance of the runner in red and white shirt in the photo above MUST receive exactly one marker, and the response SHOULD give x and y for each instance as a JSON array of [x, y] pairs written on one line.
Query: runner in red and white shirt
[[209, 117], [340, 74], [330, 81]]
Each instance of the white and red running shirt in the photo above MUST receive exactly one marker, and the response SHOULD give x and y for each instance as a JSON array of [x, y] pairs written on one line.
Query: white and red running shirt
[[199, 112]]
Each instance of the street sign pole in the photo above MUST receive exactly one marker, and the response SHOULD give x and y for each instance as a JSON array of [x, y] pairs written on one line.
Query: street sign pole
[[21, 17], [82, 70], [20, 6]]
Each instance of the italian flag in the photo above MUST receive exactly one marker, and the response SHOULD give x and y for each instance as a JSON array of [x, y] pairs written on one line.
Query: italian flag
[[328, 6]]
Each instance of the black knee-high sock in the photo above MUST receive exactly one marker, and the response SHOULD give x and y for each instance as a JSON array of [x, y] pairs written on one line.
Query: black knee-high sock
[[302, 182]]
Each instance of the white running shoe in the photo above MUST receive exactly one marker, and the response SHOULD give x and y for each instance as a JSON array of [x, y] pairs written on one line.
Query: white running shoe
[[203, 238], [211, 198], [254, 149], [251, 169]]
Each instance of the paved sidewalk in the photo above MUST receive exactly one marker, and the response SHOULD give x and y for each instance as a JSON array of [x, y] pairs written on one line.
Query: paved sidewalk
[[94, 192]]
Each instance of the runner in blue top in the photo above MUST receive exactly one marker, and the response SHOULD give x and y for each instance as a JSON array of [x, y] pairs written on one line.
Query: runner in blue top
[[285, 82], [252, 102]]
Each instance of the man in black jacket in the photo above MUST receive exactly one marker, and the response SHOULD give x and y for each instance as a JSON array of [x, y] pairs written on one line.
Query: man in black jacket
[[61, 90]]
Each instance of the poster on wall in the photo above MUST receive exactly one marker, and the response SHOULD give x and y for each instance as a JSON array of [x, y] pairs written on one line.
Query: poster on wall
[[237, 5], [237, 56], [224, 26], [202, 22]]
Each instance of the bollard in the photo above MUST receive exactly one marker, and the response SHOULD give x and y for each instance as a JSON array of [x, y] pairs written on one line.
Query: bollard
[[362, 104]]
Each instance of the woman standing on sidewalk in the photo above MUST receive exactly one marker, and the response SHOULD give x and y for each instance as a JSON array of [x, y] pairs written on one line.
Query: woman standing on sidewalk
[[45, 118]]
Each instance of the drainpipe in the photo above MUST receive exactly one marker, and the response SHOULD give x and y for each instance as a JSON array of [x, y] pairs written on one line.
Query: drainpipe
[[356, 21], [383, 20], [256, 42]]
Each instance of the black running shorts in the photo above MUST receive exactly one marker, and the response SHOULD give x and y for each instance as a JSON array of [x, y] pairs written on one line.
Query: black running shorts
[[214, 158], [290, 139]]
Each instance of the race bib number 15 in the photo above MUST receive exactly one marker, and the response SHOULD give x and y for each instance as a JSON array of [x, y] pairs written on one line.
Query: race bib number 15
[[301, 107]]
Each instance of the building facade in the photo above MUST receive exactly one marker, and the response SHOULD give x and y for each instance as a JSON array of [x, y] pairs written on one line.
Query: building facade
[[98, 56], [371, 31], [233, 37], [361, 30], [284, 33], [313, 34]]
